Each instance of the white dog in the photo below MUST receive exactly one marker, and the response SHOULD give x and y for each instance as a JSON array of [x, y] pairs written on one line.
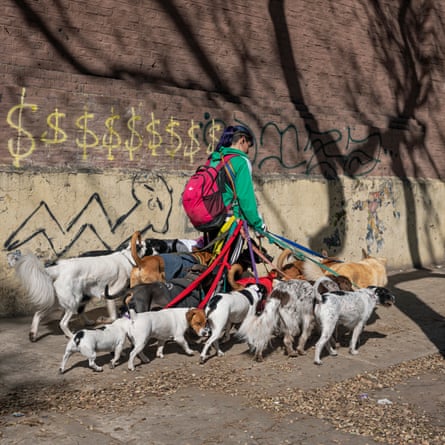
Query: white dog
[[88, 341], [164, 325], [226, 309], [72, 282], [289, 311], [350, 309]]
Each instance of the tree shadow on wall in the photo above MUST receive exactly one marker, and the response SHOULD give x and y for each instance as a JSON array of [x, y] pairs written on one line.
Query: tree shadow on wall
[[407, 34], [410, 35]]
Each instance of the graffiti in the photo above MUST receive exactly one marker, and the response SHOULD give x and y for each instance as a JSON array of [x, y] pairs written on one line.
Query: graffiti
[[304, 150], [329, 151], [150, 199], [375, 226], [24, 137]]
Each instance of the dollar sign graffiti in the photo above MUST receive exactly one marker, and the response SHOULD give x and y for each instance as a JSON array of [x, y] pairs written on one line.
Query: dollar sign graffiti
[[55, 127], [82, 124], [15, 145], [189, 151], [214, 128], [151, 128], [170, 129], [111, 135], [129, 144]]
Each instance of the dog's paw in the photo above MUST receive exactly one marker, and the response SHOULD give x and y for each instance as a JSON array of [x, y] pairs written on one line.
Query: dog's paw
[[61, 371], [32, 337], [202, 360], [353, 351], [318, 362]]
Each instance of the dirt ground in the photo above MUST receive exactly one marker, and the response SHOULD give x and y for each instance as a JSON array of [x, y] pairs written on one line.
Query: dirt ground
[[392, 392]]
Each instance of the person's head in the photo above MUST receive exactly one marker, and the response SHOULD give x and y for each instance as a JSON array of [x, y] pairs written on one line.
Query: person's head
[[237, 136]]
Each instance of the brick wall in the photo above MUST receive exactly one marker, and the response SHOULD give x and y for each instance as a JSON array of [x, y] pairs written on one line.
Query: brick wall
[[328, 88]]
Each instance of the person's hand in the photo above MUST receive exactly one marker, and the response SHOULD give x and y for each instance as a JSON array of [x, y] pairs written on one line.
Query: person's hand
[[260, 233]]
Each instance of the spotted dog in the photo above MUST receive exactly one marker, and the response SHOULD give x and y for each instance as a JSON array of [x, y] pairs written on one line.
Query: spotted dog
[[350, 309], [289, 311]]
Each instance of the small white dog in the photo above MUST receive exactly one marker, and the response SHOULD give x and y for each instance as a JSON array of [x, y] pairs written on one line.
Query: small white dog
[[88, 341], [72, 282], [351, 309], [164, 325], [227, 309]]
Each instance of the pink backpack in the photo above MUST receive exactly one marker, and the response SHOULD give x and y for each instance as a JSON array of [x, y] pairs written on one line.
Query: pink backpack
[[202, 196]]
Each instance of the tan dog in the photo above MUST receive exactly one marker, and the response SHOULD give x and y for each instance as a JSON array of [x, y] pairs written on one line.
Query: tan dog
[[292, 270], [369, 271], [152, 268]]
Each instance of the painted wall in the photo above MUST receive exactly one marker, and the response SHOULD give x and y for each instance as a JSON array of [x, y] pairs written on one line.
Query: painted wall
[[106, 107]]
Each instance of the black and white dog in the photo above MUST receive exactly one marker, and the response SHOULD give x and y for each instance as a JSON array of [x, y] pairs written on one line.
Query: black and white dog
[[227, 309], [289, 311], [350, 309], [72, 282], [156, 246], [89, 341]]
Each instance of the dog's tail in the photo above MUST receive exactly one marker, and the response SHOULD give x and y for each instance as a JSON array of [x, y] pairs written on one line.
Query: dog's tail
[[322, 285], [257, 331], [235, 270], [135, 240], [36, 281]]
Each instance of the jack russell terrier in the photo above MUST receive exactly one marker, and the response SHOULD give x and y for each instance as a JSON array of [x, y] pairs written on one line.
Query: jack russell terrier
[[164, 325], [226, 309], [88, 341]]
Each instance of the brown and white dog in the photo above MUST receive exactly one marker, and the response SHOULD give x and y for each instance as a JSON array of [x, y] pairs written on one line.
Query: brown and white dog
[[164, 325], [163, 267], [369, 271], [290, 270]]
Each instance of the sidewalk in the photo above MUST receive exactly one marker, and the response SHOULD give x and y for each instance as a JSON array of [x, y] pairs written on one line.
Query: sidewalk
[[392, 392]]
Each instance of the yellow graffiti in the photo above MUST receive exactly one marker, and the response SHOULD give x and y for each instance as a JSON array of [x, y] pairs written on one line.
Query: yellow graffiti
[[189, 151], [85, 142], [156, 139], [214, 128], [111, 140], [15, 146], [170, 129], [55, 127], [130, 144]]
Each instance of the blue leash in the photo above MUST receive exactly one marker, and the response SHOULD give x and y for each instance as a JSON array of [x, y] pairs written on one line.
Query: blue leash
[[298, 246]]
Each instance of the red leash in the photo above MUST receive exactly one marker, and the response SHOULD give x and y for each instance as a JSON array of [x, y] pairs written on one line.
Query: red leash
[[222, 259]]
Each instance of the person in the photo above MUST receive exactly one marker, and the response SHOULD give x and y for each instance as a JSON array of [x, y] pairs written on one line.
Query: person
[[241, 202]]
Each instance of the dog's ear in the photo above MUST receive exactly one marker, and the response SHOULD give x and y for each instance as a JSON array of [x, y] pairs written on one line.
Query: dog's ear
[[190, 314]]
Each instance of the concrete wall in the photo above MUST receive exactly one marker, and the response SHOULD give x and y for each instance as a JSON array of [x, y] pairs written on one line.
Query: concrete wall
[[62, 215], [106, 107]]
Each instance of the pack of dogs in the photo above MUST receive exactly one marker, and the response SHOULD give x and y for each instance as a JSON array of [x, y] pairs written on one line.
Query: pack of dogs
[[297, 301]]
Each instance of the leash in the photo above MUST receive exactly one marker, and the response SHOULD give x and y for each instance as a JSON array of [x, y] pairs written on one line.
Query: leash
[[291, 245], [221, 259], [246, 236], [288, 242]]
